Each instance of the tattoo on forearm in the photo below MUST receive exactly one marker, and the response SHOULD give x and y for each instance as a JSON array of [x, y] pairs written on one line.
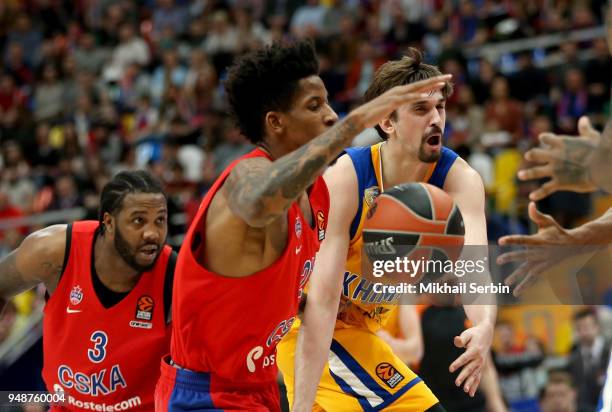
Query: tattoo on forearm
[[573, 168], [293, 173]]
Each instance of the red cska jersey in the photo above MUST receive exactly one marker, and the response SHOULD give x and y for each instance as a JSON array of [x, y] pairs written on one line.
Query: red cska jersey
[[230, 326], [104, 359]]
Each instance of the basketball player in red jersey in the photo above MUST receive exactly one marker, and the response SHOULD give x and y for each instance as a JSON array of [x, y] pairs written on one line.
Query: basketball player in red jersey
[[109, 289], [251, 247], [412, 151]]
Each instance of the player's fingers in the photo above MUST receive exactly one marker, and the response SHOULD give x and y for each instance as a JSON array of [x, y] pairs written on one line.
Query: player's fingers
[[410, 97], [472, 384], [537, 172], [586, 129], [465, 373], [546, 189], [519, 256], [518, 274], [458, 341], [539, 218], [462, 360], [539, 155], [550, 139], [531, 278], [436, 82], [521, 240]]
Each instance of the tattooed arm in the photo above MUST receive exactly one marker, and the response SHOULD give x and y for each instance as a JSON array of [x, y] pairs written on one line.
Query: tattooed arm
[[579, 164], [258, 191], [38, 259]]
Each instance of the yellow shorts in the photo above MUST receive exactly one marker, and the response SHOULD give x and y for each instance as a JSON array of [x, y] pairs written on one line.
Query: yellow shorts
[[362, 374]]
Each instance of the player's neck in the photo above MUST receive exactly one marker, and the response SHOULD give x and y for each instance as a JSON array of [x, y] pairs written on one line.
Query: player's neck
[[398, 166], [275, 151], [110, 267]]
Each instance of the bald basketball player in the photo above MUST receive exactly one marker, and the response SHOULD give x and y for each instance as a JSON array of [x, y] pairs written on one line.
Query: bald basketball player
[[362, 371]]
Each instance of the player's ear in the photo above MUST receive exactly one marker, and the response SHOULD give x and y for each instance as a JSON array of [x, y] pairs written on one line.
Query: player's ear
[[274, 122], [386, 125], [109, 223]]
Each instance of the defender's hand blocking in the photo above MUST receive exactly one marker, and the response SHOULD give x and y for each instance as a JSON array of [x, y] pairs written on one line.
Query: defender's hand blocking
[[563, 159], [540, 253], [369, 114]]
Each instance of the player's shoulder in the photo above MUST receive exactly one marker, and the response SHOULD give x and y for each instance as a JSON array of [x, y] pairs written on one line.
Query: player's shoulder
[[342, 174], [48, 240], [463, 178], [42, 253]]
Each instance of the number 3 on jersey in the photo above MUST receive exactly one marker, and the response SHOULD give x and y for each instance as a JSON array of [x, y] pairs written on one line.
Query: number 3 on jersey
[[98, 353]]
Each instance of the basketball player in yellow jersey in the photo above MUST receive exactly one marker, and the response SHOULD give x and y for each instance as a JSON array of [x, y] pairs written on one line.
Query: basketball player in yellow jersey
[[362, 372]]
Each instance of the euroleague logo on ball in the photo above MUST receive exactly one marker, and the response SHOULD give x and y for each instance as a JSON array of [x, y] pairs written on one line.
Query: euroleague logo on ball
[[388, 374]]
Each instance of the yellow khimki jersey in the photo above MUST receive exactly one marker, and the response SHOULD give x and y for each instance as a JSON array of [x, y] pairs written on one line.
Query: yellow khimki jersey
[[363, 307], [362, 372]]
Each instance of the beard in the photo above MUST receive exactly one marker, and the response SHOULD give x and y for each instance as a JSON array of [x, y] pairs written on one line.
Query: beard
[[128, 254], [428, 157], [423, 154]]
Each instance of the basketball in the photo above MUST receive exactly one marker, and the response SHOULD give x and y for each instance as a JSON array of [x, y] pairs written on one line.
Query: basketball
[[417, 221]]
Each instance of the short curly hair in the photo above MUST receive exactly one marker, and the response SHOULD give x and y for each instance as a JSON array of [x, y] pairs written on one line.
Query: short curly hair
[[265, 80], [409, 69]]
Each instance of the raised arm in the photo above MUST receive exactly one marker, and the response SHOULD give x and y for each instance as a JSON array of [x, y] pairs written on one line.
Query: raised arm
[[38, 259], [259, 191], [325, 285]]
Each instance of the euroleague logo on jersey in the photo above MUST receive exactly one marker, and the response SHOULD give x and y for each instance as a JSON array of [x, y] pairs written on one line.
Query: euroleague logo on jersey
[[144, 308], [388, 374], [76, 295], [321, 224]]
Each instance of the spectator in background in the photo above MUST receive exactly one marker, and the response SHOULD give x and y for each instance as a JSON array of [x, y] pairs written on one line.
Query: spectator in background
[[308, 19], [16, 65], [48, 95], [588, 358], [559, 395], [168, 14], [170, 73], [222, 42], [482, 82], [44, 157], [251, 34], [12, 102], [131, 49], [517, 366], [88, 55], [529, 81], [503, 111], [233, 145], [597, 74], [24, 34], [66, 194], [574, 101]]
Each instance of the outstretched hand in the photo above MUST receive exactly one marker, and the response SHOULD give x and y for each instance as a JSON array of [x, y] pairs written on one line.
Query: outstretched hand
[[539, 253], [563, 159]]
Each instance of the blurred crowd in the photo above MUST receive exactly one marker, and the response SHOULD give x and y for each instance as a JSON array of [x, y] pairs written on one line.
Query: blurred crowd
[[92, 87]]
